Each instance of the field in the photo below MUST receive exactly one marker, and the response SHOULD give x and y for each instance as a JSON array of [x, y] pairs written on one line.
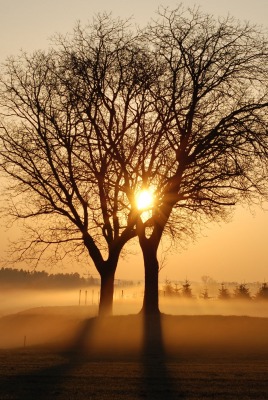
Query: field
[[60, 353]]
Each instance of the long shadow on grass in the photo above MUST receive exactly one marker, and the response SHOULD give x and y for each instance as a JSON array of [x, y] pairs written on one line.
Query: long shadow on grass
[[47, 383], [158, 384], [56, 373]]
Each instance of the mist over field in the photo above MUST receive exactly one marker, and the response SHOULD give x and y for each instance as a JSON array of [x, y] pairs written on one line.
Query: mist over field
[[128, 300], [38, 317], [197, 348]]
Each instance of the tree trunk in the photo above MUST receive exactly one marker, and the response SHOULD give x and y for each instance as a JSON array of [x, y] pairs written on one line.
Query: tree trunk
[[151, 268], [106, 291], [106, 269]]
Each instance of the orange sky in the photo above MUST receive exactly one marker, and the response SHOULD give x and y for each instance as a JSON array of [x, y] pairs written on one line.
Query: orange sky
[[235, 251]]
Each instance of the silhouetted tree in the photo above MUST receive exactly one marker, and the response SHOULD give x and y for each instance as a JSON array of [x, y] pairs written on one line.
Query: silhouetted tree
[[187, 290], [169, 289], [262, 293], [64, 114], [203, 148], [181, 109], [205, 295], [242, 292], [224, 293]]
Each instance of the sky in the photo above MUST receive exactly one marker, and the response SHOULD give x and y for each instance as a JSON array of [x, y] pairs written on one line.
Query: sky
[[235, 251]]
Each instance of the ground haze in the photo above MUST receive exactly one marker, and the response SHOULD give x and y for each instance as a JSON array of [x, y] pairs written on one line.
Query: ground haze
[[65, 352]]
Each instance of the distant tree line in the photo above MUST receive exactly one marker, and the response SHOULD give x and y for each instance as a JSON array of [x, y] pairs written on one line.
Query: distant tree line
[[10, 277], [240, 292]]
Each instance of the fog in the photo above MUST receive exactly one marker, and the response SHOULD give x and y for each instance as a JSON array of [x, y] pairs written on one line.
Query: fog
[[31, 317], [127, 300], [230, 307]]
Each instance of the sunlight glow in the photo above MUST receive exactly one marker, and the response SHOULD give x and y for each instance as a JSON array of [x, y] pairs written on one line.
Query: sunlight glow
[[145, 200]]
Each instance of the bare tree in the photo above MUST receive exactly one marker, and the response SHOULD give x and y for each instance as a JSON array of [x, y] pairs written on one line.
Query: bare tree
[[180, 110], [63, 117], [205, 145]]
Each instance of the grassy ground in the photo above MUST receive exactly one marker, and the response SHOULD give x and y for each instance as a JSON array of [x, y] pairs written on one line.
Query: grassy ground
[[67, 356]]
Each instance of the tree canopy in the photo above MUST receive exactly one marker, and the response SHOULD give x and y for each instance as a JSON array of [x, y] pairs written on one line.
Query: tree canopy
[[204, 143], [64, 113]]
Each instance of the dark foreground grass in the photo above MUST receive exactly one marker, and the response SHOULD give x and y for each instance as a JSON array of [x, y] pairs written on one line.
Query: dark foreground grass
[[173, 357]]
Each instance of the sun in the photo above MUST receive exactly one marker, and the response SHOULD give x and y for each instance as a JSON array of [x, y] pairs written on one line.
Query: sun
[[144, 200]]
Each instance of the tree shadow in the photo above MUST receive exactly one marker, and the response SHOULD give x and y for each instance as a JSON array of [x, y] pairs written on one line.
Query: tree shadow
[[56, 377], [158, 383], [47, 383]]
